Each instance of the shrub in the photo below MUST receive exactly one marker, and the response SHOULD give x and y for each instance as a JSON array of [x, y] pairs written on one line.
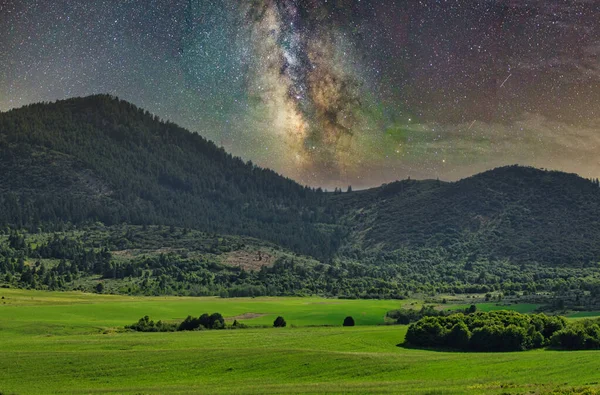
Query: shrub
[[348, 321], [279, 322], [145, 324], [216, 321], [238, 325]]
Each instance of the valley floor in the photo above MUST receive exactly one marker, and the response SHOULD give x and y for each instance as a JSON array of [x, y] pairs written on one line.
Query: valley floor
[[69, 343]]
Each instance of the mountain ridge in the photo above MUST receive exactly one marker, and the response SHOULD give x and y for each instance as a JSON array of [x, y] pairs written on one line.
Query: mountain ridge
[[523, 203], [99, 158]]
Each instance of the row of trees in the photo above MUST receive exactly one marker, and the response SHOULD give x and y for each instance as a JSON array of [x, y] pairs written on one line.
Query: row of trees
[[205, 321], [502, 331]]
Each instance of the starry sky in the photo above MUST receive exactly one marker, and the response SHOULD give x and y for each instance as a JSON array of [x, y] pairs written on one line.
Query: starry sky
[[331, 92]]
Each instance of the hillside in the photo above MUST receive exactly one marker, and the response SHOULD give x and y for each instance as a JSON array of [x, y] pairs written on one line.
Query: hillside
[[516, 213], [102, 159]]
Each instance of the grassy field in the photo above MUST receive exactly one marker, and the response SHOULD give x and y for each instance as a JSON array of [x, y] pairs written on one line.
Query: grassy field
[[493, 306], [584, 314], [63, 343], [74, 312]]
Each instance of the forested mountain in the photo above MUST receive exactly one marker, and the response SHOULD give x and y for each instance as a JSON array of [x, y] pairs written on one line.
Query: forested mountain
[[516, 213], [100, 159]]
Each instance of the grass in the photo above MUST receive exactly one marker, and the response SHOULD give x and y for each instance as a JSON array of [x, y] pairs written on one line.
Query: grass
[[75, 312], [524, 308], [54, 343], [584, 314]]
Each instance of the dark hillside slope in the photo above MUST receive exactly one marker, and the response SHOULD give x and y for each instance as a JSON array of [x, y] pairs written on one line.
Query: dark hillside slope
[[100, 158], [518, 213]]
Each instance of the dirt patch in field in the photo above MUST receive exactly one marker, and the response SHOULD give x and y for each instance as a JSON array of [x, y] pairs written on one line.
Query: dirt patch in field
[[249, 260], [247, 316]]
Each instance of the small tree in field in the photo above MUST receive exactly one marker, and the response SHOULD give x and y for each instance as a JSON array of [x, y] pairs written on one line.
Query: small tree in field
[[99, 288], [348, 321], [279, 322]]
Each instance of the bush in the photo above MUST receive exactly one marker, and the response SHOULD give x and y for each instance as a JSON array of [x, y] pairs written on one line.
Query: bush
[[348, 321], [279, 322], [190, 324], [238, 325], [145, 324]]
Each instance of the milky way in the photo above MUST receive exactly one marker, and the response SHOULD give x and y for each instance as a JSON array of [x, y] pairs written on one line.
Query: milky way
[[331, 93], [305, 85]]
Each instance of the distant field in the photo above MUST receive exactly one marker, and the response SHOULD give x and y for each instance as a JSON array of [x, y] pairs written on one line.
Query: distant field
[[74, 312], [518, 307], [584, 314], [53, 343]]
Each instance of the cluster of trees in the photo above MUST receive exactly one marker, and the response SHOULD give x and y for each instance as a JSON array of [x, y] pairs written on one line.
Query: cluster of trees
[[579, 335], [502, 331], [72, 260], [145, 324], [193, 267], [205, 321]]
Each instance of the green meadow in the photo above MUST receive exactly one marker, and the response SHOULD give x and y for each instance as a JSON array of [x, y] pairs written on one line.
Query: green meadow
[[524, 308], [72, 343]]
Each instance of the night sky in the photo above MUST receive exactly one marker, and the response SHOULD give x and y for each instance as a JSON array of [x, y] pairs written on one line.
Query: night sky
[[331, 93]]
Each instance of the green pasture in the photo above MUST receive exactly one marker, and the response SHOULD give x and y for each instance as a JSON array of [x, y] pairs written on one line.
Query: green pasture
[[63, 343], [584, 314], [524, 308], [55, 313]]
